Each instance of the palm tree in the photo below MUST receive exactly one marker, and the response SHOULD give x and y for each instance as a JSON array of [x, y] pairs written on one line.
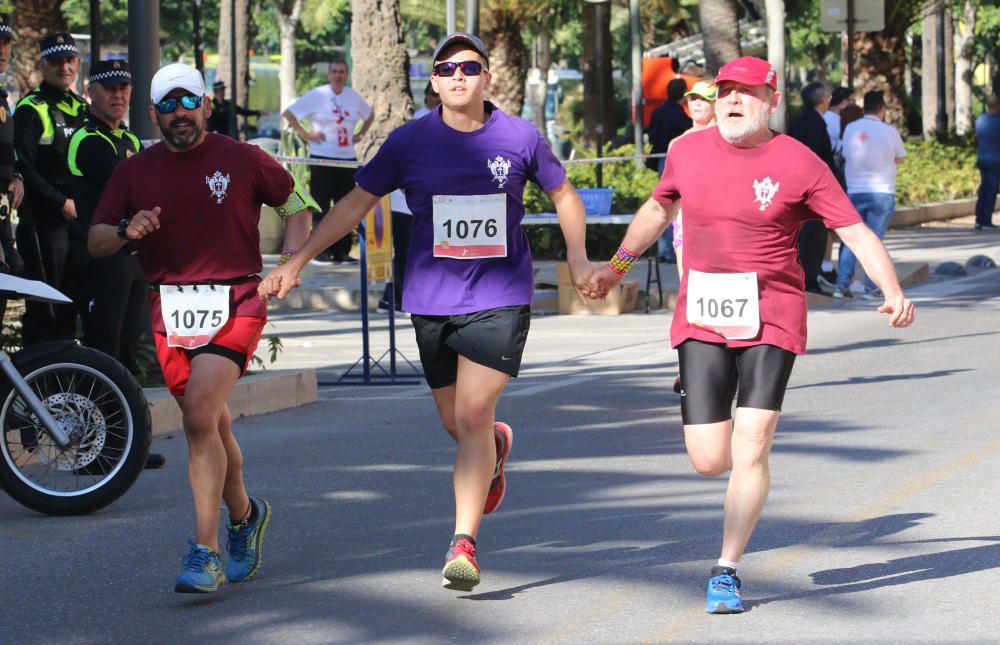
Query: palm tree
[[720, 25], [381, 68], [34, 19]]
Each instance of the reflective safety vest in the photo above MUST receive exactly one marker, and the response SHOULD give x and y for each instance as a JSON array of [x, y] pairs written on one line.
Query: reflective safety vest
[[123, 143], [59, 121]]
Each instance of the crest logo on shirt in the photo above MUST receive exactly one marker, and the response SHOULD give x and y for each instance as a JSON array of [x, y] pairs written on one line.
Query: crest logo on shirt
[[500, 168], [218, 184], [765, 191]]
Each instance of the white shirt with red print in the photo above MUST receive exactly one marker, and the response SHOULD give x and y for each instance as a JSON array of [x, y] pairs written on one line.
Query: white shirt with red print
[[335, 115]]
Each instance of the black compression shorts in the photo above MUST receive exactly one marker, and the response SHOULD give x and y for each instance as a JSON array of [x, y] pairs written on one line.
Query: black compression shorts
[[711, 373]]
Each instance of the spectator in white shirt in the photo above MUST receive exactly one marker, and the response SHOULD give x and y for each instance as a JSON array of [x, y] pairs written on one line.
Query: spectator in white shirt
[[333, 111], [872, 149]]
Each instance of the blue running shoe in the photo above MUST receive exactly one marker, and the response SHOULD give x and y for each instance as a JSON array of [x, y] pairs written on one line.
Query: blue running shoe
[[723, 592], [201, 571], [246, 542]]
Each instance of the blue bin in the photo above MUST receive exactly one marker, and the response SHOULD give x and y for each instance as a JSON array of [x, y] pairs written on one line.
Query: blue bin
[[596, 201]]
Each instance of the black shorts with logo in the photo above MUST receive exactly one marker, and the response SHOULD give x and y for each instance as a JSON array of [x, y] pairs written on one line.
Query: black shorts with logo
[[493, 337]]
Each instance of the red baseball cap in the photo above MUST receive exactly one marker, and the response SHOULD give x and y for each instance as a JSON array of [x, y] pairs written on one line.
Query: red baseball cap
[[749, 70]]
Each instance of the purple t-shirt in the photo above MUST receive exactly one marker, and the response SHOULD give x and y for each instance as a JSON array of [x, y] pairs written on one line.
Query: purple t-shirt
[[427, 158]]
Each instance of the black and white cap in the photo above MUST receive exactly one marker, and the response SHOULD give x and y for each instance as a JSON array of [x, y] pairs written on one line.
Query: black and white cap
[[59, 44], [6, 32], [110, 72]]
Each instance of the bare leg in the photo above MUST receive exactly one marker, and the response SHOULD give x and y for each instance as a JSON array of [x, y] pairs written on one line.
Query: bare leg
[[234, 492], [750, 481], [467, 411], [204, 405]]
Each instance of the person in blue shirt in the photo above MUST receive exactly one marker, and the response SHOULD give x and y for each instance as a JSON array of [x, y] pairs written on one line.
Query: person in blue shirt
[[988, 162]]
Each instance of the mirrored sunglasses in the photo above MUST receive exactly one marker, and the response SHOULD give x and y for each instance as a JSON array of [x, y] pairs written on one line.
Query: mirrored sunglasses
[[168, 105]]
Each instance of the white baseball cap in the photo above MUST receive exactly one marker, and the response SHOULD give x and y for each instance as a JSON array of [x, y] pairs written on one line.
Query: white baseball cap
[[176, 76]]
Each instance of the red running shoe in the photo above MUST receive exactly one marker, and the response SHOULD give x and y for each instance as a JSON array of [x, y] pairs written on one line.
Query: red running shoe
[[504, 437], [460, 572]]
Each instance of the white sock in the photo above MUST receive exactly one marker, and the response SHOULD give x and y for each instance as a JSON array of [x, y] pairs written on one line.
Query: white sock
[[826, 266], [728, 563]]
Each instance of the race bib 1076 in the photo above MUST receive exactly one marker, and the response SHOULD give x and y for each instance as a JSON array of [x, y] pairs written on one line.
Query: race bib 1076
[[193, 314], [724, 303], [469, 227]]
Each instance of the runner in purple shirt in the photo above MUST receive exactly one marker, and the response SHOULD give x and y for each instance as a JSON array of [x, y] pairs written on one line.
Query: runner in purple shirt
[[469, 279]]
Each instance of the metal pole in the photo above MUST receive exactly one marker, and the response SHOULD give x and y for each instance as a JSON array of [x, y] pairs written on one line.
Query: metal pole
[[941, 119], [199, 48], [232, 71], [144, 60], [599, 20], [95, 31], [452, 16], [637, 103], [472, 16], [850, 44]]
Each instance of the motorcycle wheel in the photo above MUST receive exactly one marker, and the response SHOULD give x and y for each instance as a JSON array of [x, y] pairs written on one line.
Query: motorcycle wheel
[[103, 410]]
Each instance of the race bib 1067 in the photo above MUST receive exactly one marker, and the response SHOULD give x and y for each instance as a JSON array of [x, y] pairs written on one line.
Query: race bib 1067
[[469, 227], [193, 314], [724, 303]]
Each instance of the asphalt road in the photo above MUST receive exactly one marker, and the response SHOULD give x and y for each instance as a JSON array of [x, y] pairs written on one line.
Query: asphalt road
[[880, 525]]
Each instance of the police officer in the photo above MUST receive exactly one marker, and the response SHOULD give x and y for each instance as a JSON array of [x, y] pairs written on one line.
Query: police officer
[[50, 240], [219, 119], [114, 299], [11, 185]]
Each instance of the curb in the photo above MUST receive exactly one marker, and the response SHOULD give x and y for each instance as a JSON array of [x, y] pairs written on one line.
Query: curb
[[255, 394]]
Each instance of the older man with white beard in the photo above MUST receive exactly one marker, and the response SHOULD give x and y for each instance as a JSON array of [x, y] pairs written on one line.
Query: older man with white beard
[[740, 319]]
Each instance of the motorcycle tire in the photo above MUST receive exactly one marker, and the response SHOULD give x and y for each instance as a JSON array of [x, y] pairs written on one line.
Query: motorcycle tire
[[104, 411]]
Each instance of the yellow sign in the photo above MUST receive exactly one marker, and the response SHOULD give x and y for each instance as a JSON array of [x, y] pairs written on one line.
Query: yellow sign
[[378, 241]]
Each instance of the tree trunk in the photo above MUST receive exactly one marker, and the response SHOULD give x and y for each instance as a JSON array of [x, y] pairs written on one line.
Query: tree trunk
[[929, 97], [381, 69], [721, 29], [223, 70], [597, 86], [509, 58], [287, 12], [538, 92], [33, 19], [776, 54], [880, 63], [964, 66]]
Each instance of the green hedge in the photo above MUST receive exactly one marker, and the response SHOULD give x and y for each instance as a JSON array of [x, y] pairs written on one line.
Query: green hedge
[[934, 171], [937, 171]]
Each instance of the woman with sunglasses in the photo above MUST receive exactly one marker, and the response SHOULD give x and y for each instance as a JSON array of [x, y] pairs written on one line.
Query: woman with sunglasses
[[469, 278], [190, 205]]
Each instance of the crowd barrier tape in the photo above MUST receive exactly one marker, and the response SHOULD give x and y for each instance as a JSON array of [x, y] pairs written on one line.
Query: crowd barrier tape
[[312, 161], [341, 163]]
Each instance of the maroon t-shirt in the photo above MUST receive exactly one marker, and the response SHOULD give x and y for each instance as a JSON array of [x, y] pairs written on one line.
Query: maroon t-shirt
[[743, 208], [209, 199]]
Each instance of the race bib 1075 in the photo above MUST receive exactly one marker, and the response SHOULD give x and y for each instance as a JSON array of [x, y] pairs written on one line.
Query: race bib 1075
[[193, 314]]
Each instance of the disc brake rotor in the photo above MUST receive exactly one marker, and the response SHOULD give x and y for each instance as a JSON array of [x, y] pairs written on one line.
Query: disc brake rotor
[[83, 422]]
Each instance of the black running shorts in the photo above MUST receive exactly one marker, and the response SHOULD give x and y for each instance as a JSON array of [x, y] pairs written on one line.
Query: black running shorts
[[711, 373], [494, 338]]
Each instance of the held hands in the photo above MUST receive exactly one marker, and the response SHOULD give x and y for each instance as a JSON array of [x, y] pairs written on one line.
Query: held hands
[[581, 272], [901, 311], [314, 135], [143, 223], [278, 283], [605, 280]]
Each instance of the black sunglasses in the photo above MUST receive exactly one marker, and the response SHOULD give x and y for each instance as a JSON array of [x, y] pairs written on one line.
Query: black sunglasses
[[468, 67], [168, 105]]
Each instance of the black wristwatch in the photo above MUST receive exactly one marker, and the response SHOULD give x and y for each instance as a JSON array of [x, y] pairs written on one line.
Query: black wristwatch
[[122, 228]]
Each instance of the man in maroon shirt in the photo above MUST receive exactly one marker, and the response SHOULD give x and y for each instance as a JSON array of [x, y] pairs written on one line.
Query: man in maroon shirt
[[191, 206], [740, 318]]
